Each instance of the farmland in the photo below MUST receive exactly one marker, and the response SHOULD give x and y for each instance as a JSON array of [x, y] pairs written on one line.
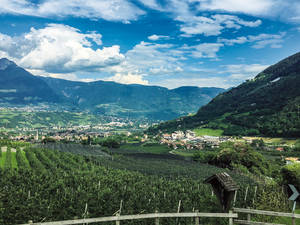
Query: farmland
[[48, 185]]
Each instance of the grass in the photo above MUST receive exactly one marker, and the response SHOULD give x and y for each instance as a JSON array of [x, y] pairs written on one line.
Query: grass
[[287, 220], [183, 153], [275, 141], [208, 131], [145, 148], [24, 156], [2, 159], [14, 163]]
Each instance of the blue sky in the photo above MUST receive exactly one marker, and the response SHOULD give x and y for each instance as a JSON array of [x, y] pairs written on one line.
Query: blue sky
[[170, 43]]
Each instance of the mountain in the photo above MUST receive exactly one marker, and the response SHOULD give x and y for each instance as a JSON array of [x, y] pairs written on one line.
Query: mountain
[[17, 86], [268, 104], [110, 98], [101, 97]]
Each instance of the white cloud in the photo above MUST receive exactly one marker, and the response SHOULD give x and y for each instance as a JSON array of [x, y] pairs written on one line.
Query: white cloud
[[147, 59], [204, 50], [42, 73], [212, 26], [260, 41], [58, 48], [287, 10], [127, 79], [5, 42], [155, 37], [253, 69], [238, 73], [233, 75], [238, 40], [253, 7], [153, 4], [112, 10]]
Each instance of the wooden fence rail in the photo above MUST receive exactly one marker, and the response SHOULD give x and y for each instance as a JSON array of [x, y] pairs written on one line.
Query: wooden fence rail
[[263, 212], [155, 216]]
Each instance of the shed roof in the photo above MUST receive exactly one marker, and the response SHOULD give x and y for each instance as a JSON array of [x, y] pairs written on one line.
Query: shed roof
[[224, 179]]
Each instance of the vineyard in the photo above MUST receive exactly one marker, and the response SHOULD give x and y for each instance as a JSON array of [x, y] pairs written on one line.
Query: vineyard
[[41, 184]]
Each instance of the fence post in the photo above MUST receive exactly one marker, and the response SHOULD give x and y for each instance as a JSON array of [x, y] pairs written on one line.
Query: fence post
[[156, 219], [293, 220], [197, 218], [118, 221], [178, 211], [230, 218], [248, 215]]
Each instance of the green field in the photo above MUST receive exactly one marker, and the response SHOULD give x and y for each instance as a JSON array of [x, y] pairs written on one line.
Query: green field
[[145, 148], [184, 152], [2, 159], [12, 119], [13, 160], [208, 131]]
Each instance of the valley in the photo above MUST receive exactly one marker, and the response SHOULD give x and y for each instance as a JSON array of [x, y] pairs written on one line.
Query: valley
[[83, 152]]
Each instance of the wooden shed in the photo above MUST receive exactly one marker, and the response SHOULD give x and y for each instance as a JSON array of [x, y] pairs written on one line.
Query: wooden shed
[[224, 188]]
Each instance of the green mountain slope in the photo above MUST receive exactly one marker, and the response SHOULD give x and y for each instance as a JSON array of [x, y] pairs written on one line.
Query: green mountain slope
[[268, 105], [17, 86], [110, 98]]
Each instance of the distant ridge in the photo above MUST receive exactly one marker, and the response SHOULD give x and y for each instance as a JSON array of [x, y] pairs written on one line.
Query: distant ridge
[[17, 86]]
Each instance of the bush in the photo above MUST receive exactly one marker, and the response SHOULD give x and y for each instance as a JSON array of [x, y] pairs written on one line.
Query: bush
[[291, 174]]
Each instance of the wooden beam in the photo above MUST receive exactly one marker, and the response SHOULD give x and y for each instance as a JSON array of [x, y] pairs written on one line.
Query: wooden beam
[[267, 213], [254, 223], [136, 217]]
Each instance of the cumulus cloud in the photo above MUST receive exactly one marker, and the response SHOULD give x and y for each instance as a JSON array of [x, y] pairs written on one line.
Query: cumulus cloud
[[128, 79], [112, 10], [260, 41], [155, 37], [146, 59], [59, 48]]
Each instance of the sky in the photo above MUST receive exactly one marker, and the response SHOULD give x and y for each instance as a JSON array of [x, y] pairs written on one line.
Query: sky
[[170, 43]]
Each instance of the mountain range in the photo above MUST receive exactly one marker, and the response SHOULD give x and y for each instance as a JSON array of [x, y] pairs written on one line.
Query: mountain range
[[268, 104], [19, 87]]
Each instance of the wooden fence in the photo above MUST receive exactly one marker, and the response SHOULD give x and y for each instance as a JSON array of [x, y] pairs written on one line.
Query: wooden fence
[[155, 216], [232, 217], [262, 212]]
